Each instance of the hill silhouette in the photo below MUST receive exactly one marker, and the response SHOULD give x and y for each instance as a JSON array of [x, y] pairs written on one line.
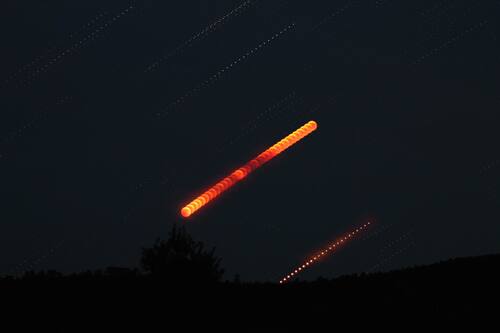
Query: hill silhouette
[[163, 294]]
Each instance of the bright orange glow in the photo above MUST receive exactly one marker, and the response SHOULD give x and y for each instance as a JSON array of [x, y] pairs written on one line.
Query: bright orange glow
[[246, 169], [186, 211], [322, 253]]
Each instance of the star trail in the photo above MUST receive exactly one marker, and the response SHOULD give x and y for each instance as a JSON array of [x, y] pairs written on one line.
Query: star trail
[[122, 119]]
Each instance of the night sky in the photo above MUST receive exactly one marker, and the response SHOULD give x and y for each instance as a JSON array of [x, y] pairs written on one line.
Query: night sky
[[115, 114]]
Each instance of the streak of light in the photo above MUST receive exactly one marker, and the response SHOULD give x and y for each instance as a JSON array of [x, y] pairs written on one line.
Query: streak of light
[[204, 32], [450, 42], [389, 258], [333, 14], [265, 115], [50, 49], [76, 46], [242, 172], [21, 131], [218, 75], [331, 248], [395, 242]]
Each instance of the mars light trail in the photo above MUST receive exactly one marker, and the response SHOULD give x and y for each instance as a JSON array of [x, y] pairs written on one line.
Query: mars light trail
[[322, 253], [242, 172]]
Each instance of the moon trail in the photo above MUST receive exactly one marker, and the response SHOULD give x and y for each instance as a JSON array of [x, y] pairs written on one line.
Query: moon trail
[[246, 169], [331, 248]]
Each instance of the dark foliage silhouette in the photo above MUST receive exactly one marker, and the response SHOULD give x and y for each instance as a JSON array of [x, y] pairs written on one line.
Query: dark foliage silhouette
[[446, 292], [182, 259]]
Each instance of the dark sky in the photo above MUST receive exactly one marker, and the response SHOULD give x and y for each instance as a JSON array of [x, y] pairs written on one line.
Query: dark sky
[[114, 114]]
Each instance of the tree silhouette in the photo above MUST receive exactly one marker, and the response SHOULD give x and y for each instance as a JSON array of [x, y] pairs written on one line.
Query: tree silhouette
[[181, 259]]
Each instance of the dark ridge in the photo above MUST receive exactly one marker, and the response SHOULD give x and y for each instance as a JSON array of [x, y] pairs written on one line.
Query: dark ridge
[[451, 291]]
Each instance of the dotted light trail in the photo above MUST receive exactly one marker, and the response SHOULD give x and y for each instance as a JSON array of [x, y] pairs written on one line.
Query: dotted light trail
[[207, 30], [76, 46], [50, 49], [449, 42], [330, 249], [219, 74], [246, 169], [265, 115]]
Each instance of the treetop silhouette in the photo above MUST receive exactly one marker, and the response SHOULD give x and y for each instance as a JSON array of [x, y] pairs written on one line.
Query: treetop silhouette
[[181, 259]]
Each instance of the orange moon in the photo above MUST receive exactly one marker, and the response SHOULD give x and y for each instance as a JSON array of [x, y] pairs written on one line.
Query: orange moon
[[242, 172]]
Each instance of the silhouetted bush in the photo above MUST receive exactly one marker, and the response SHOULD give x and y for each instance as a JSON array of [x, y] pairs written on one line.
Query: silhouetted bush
[[181, 259]]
